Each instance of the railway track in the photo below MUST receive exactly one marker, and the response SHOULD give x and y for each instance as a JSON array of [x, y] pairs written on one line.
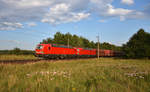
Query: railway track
[[36, 60]]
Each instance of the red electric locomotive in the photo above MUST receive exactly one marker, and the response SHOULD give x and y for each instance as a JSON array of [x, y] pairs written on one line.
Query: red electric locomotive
[[54, 51]]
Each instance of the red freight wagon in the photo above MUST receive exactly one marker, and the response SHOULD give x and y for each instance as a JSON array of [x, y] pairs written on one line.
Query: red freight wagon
[[101, 53], [105, 53], [86, 52]]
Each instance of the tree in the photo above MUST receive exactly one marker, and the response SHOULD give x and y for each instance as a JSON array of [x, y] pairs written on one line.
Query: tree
[[16, 51], [138, 46], [58, 38], [92, 45], [77, 41], [68, 37]]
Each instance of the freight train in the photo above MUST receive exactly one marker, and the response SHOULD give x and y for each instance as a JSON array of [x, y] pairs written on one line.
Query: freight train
[[53, 51]]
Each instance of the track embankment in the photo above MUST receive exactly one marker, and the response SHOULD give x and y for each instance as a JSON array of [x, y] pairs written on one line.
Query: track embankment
[[37, 60]]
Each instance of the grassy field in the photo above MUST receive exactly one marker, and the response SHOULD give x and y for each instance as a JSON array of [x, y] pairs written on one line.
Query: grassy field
[[17, 57], [84, 75]]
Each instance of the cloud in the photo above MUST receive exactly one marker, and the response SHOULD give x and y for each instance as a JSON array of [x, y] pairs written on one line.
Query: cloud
[[102, 21], [10, 26], [120, 43], [117, 11], [61, 13], [124, 13], [33, 3], [36, 10], [31, 24], [22, 10], [28, 3], [108, 11], [128, 2]]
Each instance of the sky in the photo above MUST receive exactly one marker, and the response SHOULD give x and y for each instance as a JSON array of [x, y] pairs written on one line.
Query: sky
[[25, 23]]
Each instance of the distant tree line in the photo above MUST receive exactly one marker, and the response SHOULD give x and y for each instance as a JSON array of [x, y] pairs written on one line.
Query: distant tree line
[[78, 41], [16, 51]]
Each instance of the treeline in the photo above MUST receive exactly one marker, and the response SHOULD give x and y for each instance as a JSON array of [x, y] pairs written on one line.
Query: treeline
[[138, 45], [78, 41], [16, 51]]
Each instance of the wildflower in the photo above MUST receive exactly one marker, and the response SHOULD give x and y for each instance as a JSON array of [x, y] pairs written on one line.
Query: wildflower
[[28, 75], [52, 79], [141, 77], [54, 73], [47, 72], [73, 89]]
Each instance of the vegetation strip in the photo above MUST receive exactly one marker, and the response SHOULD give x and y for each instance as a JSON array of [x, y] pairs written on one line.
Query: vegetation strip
[[35, 60], [18, 61], [79, 75]]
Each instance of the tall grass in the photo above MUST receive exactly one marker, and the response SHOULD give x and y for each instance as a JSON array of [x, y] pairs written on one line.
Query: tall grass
[[17, 57], [90, 75]]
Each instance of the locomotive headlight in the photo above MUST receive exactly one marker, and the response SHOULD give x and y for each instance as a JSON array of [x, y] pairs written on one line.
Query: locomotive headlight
[[42, 52]]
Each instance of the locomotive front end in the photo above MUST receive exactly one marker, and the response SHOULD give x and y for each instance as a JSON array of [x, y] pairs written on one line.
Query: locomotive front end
[[39, 50]]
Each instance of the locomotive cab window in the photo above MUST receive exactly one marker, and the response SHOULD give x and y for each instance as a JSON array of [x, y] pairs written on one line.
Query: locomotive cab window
[[39, 47]]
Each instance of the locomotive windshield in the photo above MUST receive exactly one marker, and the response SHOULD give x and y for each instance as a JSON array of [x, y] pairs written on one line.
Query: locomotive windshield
[[39, 47]]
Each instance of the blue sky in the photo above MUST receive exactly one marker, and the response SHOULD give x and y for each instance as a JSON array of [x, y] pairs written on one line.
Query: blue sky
[[25, 23]]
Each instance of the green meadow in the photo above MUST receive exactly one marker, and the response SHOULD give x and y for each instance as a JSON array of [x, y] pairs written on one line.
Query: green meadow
[[17, 57], [82, 75]]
